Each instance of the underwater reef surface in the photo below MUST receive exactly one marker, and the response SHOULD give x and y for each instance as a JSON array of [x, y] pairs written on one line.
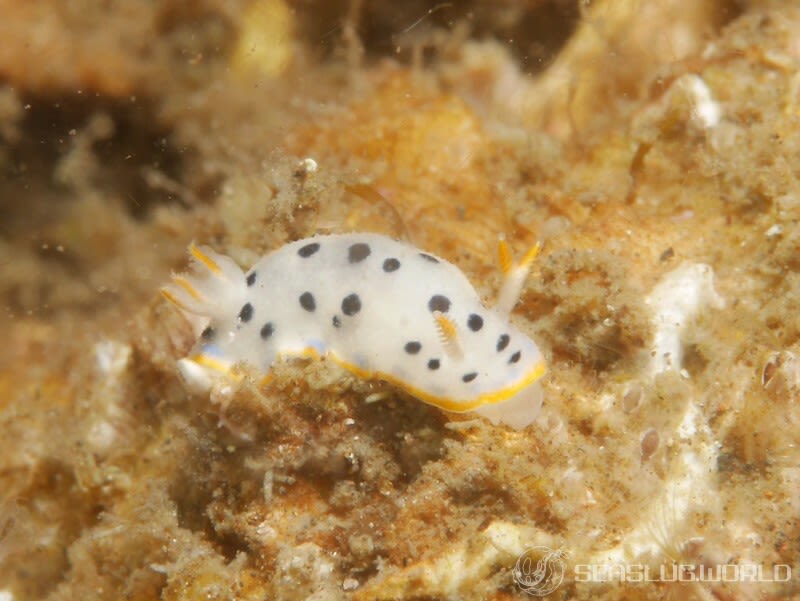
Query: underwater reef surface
[[651, 147]]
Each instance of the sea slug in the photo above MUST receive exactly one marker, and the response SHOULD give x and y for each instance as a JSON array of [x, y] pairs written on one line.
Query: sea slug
[[379, 308]]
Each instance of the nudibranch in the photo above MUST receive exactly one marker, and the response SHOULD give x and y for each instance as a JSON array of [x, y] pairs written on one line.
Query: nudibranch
[[378, 307]]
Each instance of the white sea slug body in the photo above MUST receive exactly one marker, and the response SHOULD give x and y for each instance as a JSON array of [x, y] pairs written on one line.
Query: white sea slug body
[[379, 308]]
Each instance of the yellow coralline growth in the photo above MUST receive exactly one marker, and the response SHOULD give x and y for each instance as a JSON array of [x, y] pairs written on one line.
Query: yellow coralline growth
[[265, 44], [425, 157]]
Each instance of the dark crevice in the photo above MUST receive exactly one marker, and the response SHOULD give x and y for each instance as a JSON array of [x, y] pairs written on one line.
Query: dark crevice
[[535, 32], [130, 157]]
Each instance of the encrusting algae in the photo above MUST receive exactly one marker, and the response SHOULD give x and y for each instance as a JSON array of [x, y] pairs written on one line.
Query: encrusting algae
[[650, 147]]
